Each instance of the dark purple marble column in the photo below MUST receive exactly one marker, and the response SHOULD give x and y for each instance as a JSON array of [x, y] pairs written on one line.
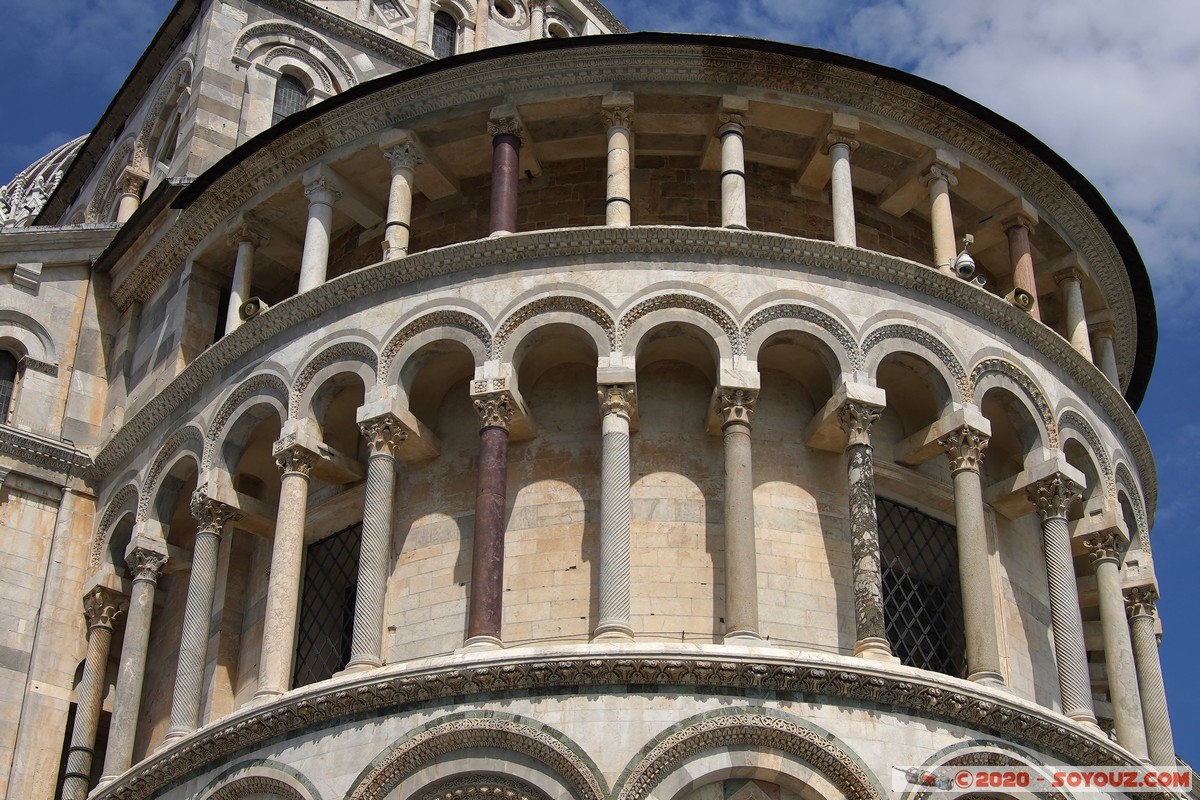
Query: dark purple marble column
[[487, 553], [506, 153]]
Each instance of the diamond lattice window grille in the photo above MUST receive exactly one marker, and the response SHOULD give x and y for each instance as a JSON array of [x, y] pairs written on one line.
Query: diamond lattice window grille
[[327, 606], [922, 601]]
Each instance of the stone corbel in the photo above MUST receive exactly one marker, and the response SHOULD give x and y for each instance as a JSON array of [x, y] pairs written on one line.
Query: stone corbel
[[908, 188], [825, 431], [329, 465], [815, 170], [383, 403], [28, 275], [733, 111], [925, 445], [1010, 496]]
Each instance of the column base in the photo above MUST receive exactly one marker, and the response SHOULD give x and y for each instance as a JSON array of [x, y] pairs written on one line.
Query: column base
[[495, 234], [1089, 722], [745, 639], [482, 643], [361, 665], [392, 253], [613, 632], [874, 648], [266, 695], [171, 738], [987, 677]]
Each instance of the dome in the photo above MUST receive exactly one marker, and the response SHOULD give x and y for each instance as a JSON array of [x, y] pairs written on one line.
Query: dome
[[23, 197]]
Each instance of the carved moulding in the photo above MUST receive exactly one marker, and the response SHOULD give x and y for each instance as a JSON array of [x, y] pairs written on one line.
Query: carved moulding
[[501, 731], [178, 441], [788, 675], [1076, 421], [1124, 480], [1026, 384], [341, 352], [437, 319], [678, 300], [785, 252], [264, 383], [927, 340], [837, 330], [481, 787], [123, 502], [546, 305]]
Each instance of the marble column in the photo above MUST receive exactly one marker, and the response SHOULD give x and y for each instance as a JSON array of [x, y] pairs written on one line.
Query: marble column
[[322, 193], [485, 611], [404, 158], [537, 19], [1020, 255], [283, 589], [211, 517], [101, 605], [505, 130], [1140, 604], [964, 447], [1053, 497], [1105, 547], [616, 409], [618, 119], [246, 238], [1071, 286], [384, 436], [839, 147], [131, 185], [938, 180], [422, 39], [870, 633], [144, 566], [1105, 352], [733, 171], [741, 568]]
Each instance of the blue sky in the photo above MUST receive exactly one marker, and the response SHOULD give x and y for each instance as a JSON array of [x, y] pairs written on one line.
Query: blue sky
[[1112, 85]]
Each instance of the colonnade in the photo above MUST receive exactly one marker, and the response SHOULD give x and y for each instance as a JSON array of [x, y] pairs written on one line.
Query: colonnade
[[1094, 339]]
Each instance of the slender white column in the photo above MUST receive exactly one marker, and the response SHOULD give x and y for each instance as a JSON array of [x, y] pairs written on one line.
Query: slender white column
[[1141, 603], [938, 180], [870, 633], [733, 171], [144, 563], [384, 435], [537, 19], [197, 614], [618, 119], [322, 193], [965, 447], [131, 186], [1071, 286], [247, 238], [283, 589], [424, 26], [101, 605], [1053, 498], [1105, 549], [404, 158], [1105, 352], [616, 408], [741, 568], [839, 146]]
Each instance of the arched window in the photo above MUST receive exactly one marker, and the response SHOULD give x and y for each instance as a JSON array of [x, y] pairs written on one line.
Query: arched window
[[8, 384], [444, 28], [290, 97]]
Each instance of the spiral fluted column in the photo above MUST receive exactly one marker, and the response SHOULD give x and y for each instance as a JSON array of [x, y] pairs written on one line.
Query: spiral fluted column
[[1105, 547], [486, 609], [144, 565], [870, 633], [964, 447], [383, 435], [1053, 497], [1141, 603], [211, 516], [101, 605], [616, 406], [283, 589]]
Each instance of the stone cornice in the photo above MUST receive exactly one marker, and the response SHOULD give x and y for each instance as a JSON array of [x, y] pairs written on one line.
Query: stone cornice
[[712, 244], [791, 675], [47, 457], [605, 16], [314, 16], [53, 243], [396, 101]]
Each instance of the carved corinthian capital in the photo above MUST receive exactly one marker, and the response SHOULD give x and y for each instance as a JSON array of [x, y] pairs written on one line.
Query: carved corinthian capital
[[211, 515], [618, 117], [505, 120], [617, 398], [964, 447], [495, 410], [145, 564], [384, 434], [1141, 601], [102, 605], [406, 155], [856, 419], [1054, 496], [295, 459], [737, 405], [1103, 546]]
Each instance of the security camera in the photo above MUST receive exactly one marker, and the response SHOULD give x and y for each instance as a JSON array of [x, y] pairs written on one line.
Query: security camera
[[964, 265], [979, 280]]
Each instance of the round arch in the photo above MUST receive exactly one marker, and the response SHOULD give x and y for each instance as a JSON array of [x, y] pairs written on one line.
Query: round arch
[[695, 309], [998, 372], [187, 442], [124, 502], [900, 338], [806, 318], [350, 355], [254, 779], [454, 324]]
